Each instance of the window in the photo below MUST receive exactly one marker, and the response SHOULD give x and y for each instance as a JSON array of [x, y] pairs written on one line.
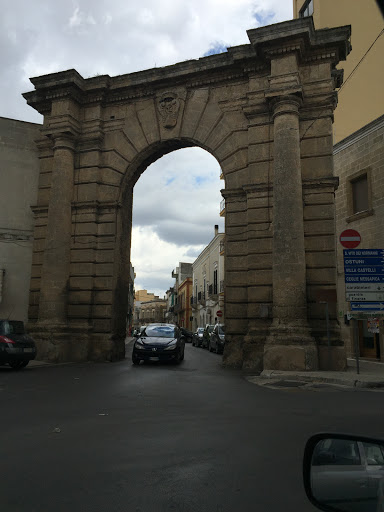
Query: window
[[215, 282], [307, 9], [374, 454], [360, 194]]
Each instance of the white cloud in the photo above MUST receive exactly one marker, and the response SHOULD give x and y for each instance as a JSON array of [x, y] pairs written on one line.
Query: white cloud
[[182, 190]]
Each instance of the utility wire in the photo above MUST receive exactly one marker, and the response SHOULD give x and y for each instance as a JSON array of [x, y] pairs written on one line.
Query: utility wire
[[346, 80]]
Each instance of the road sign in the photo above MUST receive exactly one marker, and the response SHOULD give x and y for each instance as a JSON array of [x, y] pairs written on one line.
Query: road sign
[[219, 313], [350, 238], [364, 296], [364, 287], [364, 279], [367, 306], [363, 253]]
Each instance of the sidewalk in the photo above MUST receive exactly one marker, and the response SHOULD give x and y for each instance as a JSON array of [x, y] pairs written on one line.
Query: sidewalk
[[371, 376]]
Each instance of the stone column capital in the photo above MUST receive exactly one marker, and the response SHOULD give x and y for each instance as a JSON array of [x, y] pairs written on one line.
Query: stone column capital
[[63, 141], [285, 104]]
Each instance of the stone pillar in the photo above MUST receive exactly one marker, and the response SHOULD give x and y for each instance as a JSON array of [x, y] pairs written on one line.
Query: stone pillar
[[289, 344], [56, 262]]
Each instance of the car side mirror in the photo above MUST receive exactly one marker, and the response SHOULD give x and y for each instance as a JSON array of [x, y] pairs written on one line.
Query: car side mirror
[[344, 473]]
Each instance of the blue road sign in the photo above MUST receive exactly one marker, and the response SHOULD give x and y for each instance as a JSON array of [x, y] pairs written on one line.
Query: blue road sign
[[364, 270], [367, 306], [371, 262], [364, 279], [363, 253], [364, 267]]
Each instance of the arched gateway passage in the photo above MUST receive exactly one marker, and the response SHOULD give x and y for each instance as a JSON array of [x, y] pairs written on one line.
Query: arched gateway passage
[[264, 110]]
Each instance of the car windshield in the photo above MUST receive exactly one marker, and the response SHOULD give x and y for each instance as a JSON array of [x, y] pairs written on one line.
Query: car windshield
[[210, 328], [159, 331], [200, 329], [221, 329], [11, 327]]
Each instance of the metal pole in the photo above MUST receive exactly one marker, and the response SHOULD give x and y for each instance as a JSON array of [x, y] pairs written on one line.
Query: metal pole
[[357, 350], [328, 335]]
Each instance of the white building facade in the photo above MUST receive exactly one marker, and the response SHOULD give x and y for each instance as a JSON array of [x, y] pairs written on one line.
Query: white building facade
[[208, 283]]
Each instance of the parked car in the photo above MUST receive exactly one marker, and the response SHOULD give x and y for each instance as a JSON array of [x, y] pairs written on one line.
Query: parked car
[[344, 472], [16, 347], [217, 339], [188, 335], [159, 342], [207, 334], [197, 340]]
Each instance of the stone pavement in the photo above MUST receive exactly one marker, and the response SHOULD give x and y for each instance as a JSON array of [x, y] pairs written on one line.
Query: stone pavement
[[371, 376]]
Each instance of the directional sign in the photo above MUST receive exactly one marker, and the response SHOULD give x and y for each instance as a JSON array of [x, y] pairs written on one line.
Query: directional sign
[[364, 279], [363, 253], [364, 297], [361, 287], [350, 238], [363, 270], [367, 306], [377, 262]]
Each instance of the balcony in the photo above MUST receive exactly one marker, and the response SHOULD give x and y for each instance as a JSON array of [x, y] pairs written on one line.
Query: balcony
[[177, 308], [193, 302], [222, 208]]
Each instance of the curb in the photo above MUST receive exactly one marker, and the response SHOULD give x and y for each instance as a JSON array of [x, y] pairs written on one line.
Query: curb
[[353, 381]]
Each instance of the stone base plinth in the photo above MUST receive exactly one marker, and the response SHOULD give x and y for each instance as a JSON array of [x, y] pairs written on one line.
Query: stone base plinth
[[332, 359], [233, 352], [290, 348], [247, 354], [63, 344]]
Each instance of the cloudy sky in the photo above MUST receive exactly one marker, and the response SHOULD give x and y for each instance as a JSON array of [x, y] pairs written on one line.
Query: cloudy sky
[[181, 191]]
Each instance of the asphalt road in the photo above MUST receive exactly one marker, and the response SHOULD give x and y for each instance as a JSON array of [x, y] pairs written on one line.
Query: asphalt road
[[153, 438]]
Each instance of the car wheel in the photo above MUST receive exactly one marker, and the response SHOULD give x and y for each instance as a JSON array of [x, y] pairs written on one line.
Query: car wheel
[[217, 351], [181, 358], [209, 347], [135, 359], [17, 365]]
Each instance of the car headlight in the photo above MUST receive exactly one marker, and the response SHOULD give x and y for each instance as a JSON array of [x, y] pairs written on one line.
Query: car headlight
[[139, 345], [171, 346]]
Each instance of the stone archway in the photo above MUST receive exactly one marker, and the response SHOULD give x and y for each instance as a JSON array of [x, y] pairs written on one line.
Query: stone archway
[[264, 110]]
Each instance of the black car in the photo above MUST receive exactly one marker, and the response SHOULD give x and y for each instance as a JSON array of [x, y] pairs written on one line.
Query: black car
[[217, 339], [207, 335], [188, 335], [16, 347], [197, 340], [159, 342]]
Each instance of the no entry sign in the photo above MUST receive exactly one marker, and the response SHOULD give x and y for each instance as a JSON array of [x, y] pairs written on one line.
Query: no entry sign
[[350, 238], [219, 313]]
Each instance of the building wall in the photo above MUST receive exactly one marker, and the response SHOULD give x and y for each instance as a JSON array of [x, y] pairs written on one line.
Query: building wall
[[204, 311], [19, 176], [143, 296], [152, 311], [361, 100], [362, 152], [184, 302]]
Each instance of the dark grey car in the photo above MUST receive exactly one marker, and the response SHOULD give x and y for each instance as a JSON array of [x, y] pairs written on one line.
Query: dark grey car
[[217, 339], [159, 343], [16, 347]]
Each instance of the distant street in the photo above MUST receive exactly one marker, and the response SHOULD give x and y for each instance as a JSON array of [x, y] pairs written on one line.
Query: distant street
[[154, 438]]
